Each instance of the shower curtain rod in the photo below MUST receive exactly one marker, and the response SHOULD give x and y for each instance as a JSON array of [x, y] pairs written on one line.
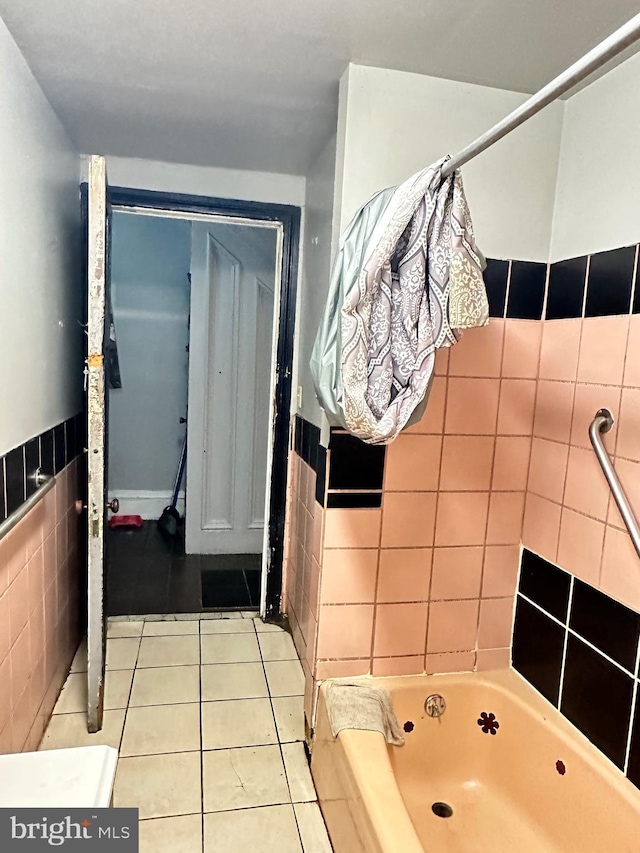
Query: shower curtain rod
[[590, 62]]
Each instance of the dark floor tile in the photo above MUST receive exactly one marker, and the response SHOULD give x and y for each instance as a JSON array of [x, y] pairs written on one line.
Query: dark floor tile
[[526, 290], [596, 697], [253, 580], [545, 584], [495, 282], [15, 479], [605, 623], [566, 288], [226, 589], [538, 644], [354, 464], [609, 282]]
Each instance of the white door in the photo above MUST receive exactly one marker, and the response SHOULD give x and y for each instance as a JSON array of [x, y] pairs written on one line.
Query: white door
[[233, 273], [97, 295]]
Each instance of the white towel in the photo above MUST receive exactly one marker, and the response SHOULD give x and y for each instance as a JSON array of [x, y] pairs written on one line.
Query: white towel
[[358, 706]]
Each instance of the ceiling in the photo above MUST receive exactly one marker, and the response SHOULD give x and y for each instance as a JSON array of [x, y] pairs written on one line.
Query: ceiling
[[253, 84]]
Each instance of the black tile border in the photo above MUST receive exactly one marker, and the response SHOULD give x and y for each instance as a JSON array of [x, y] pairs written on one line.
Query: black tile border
[[50, 451], [601, 284], [306, 443], [592, 625]]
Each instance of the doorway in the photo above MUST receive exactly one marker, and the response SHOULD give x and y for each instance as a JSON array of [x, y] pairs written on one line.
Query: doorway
[[202, 298]]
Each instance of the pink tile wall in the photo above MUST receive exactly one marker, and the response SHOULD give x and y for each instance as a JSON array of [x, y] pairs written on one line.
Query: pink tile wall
[[501, 457], [570, 516], [39, 603], [427, 582]]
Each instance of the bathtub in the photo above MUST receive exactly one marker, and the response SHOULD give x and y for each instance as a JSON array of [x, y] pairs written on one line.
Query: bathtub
[[534, 785]]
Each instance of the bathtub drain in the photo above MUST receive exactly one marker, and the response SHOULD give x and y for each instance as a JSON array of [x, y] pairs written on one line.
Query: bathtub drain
[[442, 809]]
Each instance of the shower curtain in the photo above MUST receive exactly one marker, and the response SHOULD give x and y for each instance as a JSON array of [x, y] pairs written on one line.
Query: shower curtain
[[407, 279]]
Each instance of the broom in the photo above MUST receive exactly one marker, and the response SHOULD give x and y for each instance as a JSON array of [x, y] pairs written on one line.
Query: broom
[[168, 521]]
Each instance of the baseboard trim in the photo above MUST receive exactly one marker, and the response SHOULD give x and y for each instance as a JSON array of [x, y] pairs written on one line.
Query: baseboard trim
[[148, 505]]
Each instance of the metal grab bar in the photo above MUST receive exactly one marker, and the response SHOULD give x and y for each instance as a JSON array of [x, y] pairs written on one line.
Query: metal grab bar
[[602, 422], [44, 484]]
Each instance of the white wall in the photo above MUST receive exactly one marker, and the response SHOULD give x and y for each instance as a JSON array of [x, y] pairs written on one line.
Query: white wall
[[397, 123], [151, 259], [598, 192], [316, 274], [40, 261], [207, 181]]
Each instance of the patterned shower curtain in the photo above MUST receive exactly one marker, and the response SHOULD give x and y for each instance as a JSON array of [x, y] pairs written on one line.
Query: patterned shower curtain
[[407, 279]]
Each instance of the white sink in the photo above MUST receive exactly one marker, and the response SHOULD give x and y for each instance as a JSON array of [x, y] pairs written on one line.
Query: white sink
[[58, 778]]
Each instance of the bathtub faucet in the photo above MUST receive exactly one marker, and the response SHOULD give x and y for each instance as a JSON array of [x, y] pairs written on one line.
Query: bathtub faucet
[[435, 706]]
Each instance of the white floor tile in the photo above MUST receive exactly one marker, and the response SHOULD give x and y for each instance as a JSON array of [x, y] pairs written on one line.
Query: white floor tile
[[79, 663], [66, 730], [226, 626], [262, 830], [166, 685], [73, 698], [169, 651], [160, 785], [242, 722], [122, 653], [230, 648], [117, 687], [161, 728], [233, 681], [289, 713], [244, 778], [179, 627], [266, 627], [277, 646], [124, 629], [171, 834], [313, 831], [285, 677], [298, 773]]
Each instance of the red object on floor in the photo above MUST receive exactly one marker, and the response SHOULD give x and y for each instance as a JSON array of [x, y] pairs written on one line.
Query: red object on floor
[[125, 521]]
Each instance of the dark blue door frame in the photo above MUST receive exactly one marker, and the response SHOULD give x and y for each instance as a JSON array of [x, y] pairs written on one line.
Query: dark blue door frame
[[289, 217]]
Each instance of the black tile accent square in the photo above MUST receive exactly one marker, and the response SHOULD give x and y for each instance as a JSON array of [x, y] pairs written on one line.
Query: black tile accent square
[[495, 282], [538, 644], [633, 770], [596, 697], [70, 433], [526, 290], [354, 464], [14, 472], [32, 461], [81, 432], [47, 462], [566, 288], [3, 507], [545, 584], [608, 625], [321, 473], [59, 450], [297, 441], [609, 282], [354, 500], [310, 442]]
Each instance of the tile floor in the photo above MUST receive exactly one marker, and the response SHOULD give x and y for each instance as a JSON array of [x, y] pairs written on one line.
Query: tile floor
[[208, 717]]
